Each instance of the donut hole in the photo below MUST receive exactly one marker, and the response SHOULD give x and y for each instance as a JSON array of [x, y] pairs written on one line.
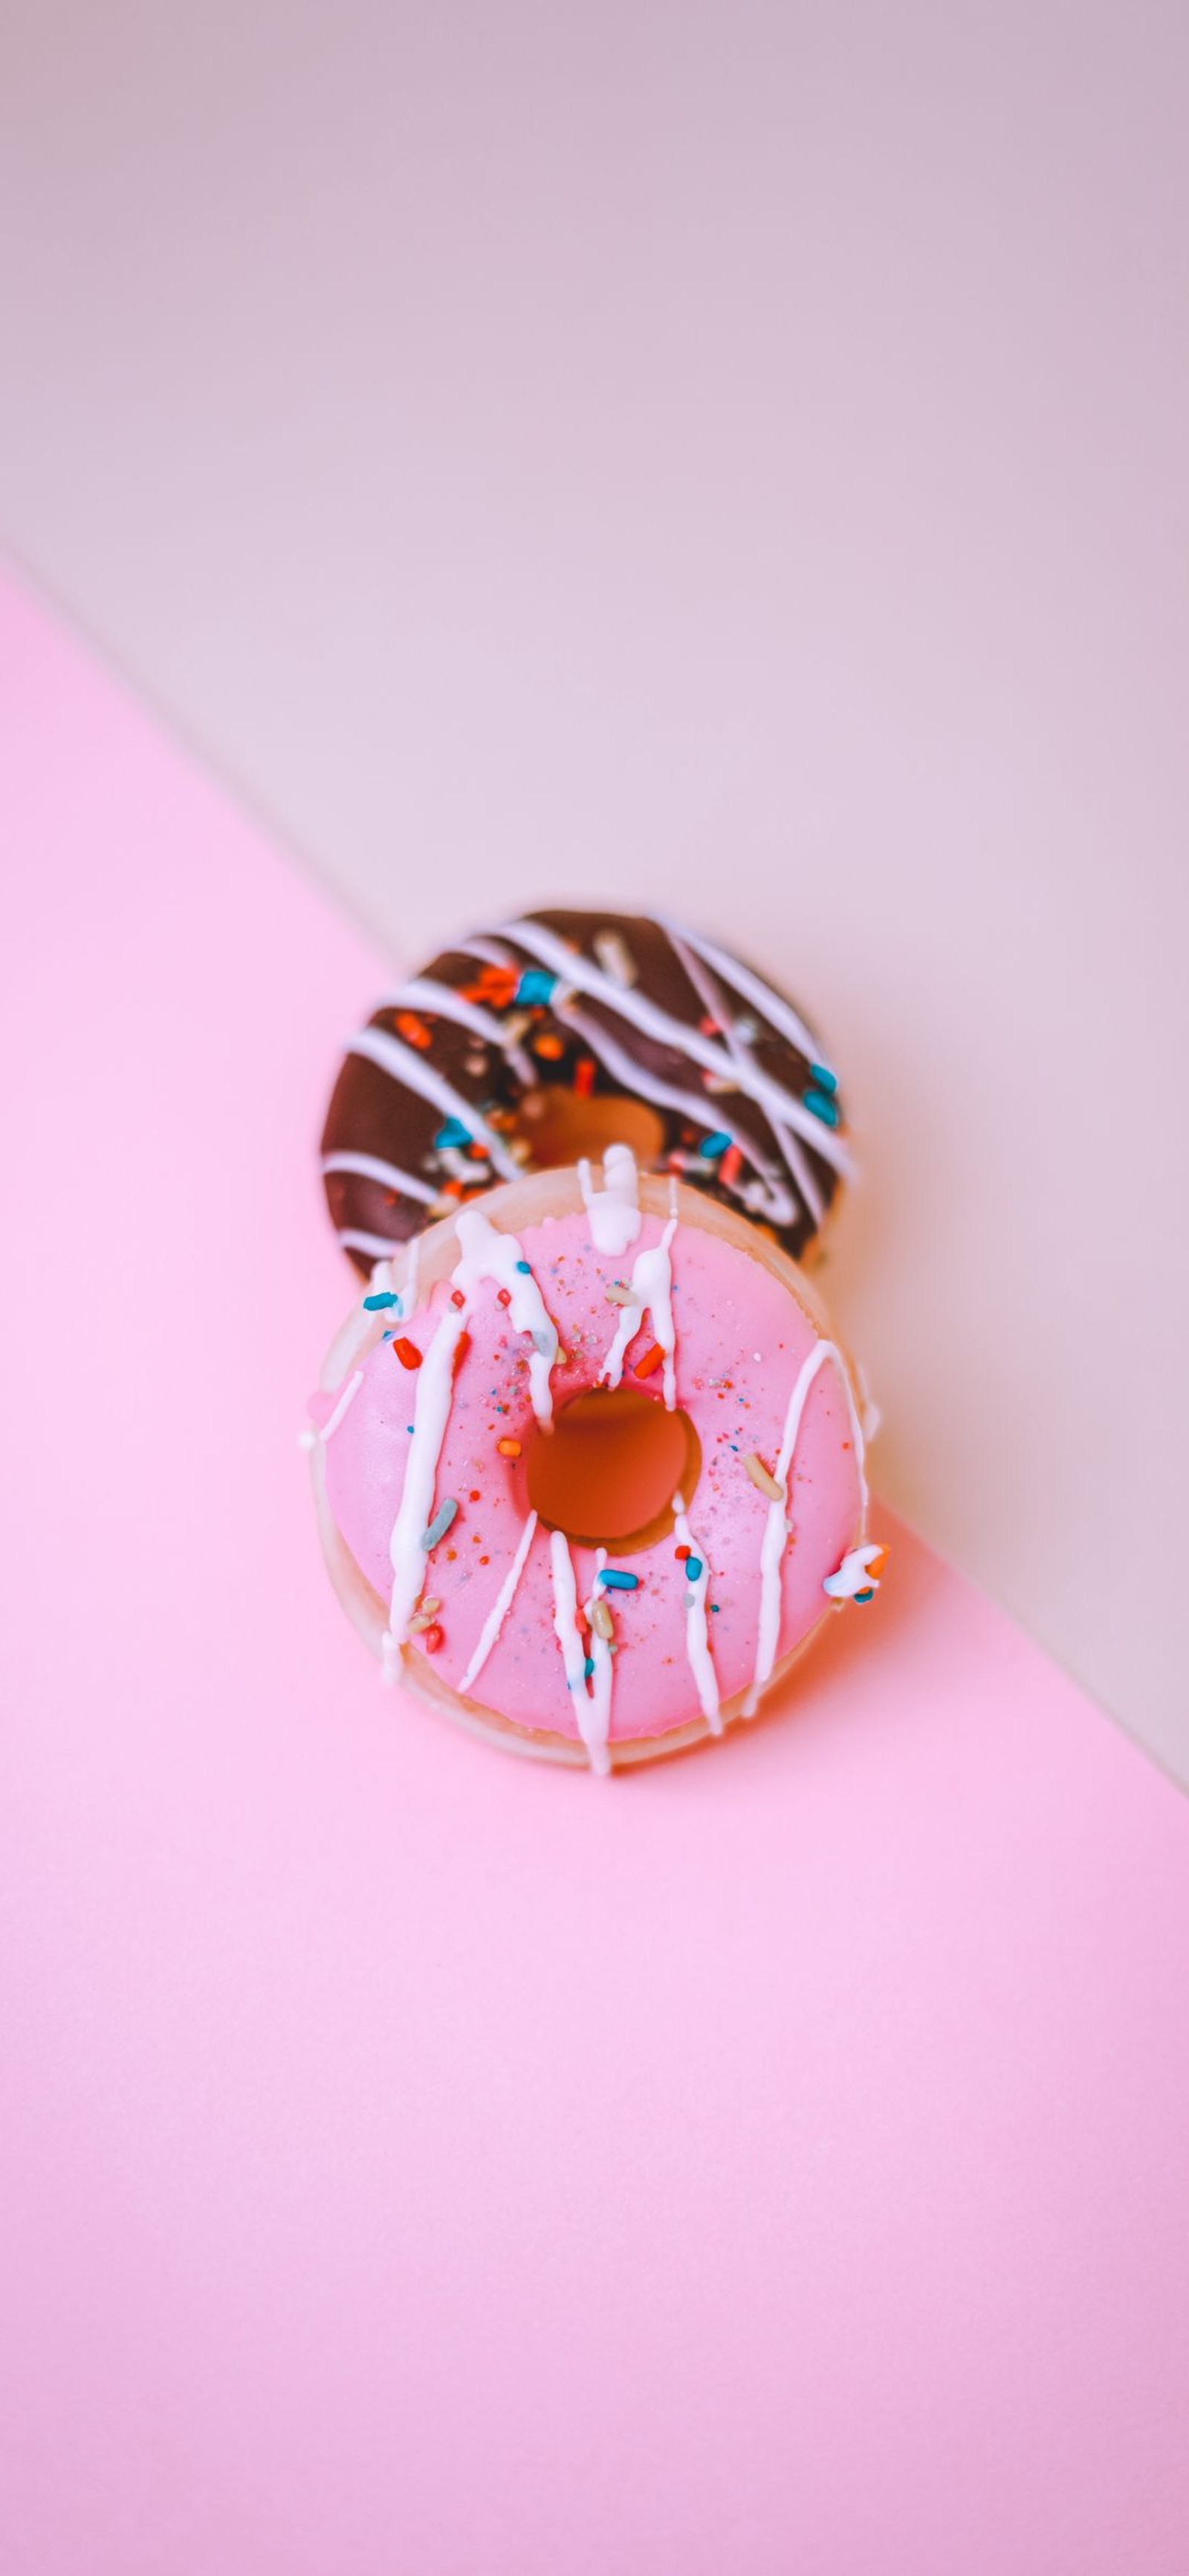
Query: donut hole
[[607, 1473], [560, 1128]]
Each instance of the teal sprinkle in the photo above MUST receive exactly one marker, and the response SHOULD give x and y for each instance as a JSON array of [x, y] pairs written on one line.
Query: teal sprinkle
[[822, 1107], [693, 1569], [439, 1524], [713, 1146], [865, 1596], [383, 1297], [453, 1133], [588, 1667], [536, 984], [617, 1581], [714, 1607], [527, 1268], [825, 1080], [386, 1337]]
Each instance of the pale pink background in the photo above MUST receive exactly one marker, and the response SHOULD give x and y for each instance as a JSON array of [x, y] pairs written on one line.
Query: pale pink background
[[416, 2160]]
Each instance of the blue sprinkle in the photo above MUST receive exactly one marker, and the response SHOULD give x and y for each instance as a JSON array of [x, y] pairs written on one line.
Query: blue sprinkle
[[825, 1080], [588, 1667], [822, 1107], [545, 1343], [865, 1596], [383, 1297], [439, 1524], [714, 1607], [617, 1581], [536, 984], [527, 1268], [386, 1337], [453, 1133], [693, 1569], [713, 1146]]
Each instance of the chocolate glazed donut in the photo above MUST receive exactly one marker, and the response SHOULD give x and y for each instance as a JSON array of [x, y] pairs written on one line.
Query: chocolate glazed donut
[[542, 1040]]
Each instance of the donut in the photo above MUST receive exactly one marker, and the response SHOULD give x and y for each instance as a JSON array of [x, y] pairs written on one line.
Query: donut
[[543, 1040], [588, 1466]]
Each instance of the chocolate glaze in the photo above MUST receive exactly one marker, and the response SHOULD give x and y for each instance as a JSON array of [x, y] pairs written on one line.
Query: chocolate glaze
[[609, 1003]]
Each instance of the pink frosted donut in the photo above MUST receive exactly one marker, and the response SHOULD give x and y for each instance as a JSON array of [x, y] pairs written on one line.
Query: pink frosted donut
[[589, 1469]]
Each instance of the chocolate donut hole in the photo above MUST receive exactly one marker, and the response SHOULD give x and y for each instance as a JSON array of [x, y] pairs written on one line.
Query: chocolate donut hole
[[562, 1128], [607, 1472]]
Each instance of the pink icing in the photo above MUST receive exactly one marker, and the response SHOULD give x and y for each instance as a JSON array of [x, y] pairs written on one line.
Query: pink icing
[[740, 1342]]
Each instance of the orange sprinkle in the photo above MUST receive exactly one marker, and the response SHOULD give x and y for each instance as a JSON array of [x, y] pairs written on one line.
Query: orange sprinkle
[[508, 1448], [461, 1348], [412, 1030], [584, 1077], [683, 1552], [548, 1045], [652, 1359], [452, 1189], [407, 1352]]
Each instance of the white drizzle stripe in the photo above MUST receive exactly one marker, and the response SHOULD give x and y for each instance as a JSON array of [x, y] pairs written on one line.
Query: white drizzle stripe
[[854, 1574], [377, 1245], [371, 1167], [435, 1386], [628, 1002], [613, 1212], [597, 1731], [651, 1293], [422, 992], [503, 1602], [701, 1113], [490, 952], [762, 997], [777, 1523], [697, 1638], [350, 1391], [411, 1290], [405, 1065], [711, 995], [488, 1254]]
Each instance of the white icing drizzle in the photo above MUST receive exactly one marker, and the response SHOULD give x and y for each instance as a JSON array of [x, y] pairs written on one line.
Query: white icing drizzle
[[762, 997], [379, 1246], [423, 992], [350, 1391], [411, 1290], [710, 994], [613, 1212], [488, 1254], [651, 1293], [630, 1003], [372, 1167], [697, 1637], [435, 1387], [404, 1064], [774, 1202], [592, 1712], [597, 1731], [504, 1598], [777, 1524], [854, 1574]]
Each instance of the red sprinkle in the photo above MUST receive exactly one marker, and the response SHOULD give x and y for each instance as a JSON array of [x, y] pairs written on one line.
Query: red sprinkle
[[407, 1353], [475, 1494], [731, 1165], [461, 1348], [457, 1298], [652, 1359], [431, 1638], [683, 1552], [503, 1297], [584, 1076]]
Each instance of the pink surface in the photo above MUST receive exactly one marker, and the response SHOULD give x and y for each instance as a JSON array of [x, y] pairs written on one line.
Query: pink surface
[[415, 2160], [740, 1344]]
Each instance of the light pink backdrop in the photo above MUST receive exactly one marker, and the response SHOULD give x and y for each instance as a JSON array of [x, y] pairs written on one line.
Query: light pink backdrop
[[417, 2161]]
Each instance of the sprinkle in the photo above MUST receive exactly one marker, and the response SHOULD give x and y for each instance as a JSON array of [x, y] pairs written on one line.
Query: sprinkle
[[407, 1352], [602, 1622], [432, 1639], [709, 1027], [588, 1668], [760, 1476], [732, 1165], [503, 1296], [618, 1294], [549, 1046], [526, 1267], [412, 1030], [584, 1076], [385, 1297], [536, 985], [865, 1596], [508, 1448], [545, 1344], [429, 1608], [439, 1524], [712, 1146], [461, 1348], [823, 1107], [614, 956], [652, 1359], [824, 1079], [457, 1298], [616, 1580], [453, 1133], [693, 1568], [681, 1553]]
